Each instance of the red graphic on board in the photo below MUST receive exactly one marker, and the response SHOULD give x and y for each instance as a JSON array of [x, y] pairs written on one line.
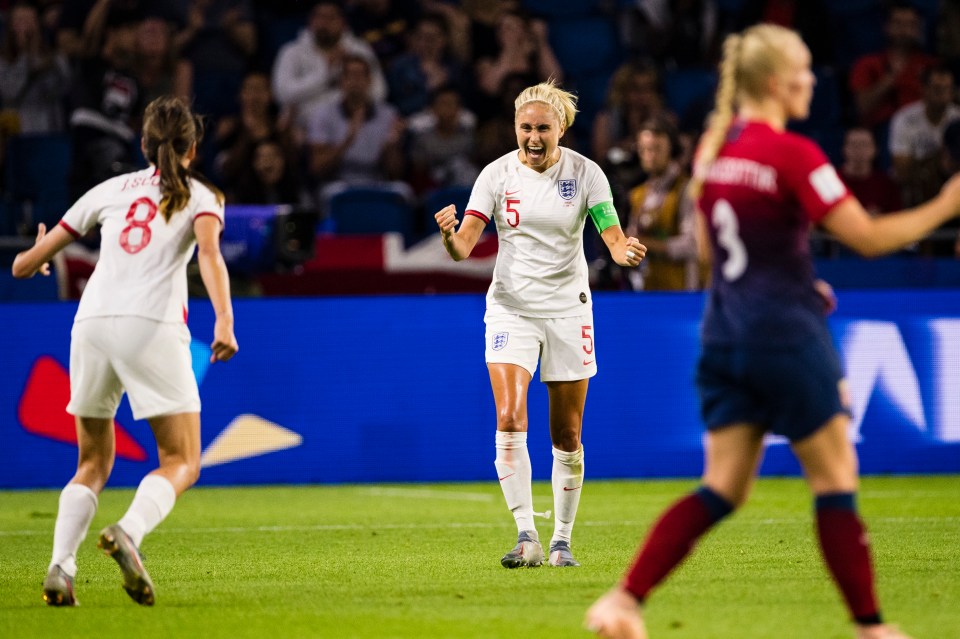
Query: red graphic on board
[[43, 405]]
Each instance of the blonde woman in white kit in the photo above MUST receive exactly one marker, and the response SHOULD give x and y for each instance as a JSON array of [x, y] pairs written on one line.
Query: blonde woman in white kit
[[539, 307], [130, 335]]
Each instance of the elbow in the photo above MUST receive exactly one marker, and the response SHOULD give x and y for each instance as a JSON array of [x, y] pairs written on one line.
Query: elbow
[[20, 270]]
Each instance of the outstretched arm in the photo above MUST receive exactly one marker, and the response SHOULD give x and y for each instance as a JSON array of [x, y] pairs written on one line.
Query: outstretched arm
[[216, 280], [37, 258], [875, 236]]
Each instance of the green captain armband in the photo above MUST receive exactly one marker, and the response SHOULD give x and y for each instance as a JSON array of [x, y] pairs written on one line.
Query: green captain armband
[[604, 216]]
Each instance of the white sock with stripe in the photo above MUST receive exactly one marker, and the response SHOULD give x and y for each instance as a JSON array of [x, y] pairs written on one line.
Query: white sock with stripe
[[515, 475], [567, 486], [78, 505]]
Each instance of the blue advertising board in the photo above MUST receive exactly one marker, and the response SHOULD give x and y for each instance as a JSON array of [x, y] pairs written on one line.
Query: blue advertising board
[[377, 389]]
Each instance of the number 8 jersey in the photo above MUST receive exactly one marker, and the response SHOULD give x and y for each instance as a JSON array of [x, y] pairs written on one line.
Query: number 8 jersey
[[760, 197], [142, 266]]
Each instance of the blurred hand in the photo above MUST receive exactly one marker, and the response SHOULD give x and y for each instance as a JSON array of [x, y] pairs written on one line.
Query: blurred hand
[[631, 254], [447, 220], [224, 344], [827, 296], [951, 190], [41, 231]]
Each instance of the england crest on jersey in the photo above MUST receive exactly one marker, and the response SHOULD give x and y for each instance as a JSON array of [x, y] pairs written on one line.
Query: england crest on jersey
[[500, 341], [567, 188]]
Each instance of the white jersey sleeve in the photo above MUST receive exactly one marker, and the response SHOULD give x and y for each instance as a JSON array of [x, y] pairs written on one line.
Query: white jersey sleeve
[[205, 202], [598, 187], [85, 213], [484, 201]]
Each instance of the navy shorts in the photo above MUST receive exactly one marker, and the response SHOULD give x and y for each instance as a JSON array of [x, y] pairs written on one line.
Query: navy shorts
[[788, 390]]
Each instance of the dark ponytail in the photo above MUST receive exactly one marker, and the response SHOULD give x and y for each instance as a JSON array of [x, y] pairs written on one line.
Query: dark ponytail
[[169, 130]]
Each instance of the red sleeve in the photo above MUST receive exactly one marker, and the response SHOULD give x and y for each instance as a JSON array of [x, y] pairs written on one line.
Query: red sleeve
[[811, 178]]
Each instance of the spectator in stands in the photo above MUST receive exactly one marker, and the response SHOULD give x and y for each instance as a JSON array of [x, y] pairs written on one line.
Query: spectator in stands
[[661, 215], [496, 135], [484, 16], [356, 139], [875, 189], [681, 33], [160, 69], [948, 34], [442, 142], [106, 101], [459, 27], [634, 97], [34, 78], [268, 177], [916, 136], [883, 82], [425, 67], [220, 40], [522, 47], [306, 73], [384, 25], [258, 119], [82, 22]]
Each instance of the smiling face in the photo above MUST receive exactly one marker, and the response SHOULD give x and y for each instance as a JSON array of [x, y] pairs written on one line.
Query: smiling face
[[538, 129]]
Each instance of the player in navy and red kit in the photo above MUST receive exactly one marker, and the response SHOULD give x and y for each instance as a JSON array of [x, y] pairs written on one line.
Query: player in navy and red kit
[[768, 363]]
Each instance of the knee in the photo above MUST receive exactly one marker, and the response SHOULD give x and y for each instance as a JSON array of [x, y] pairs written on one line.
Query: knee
[[94, 472], [191, 472], [183, 473], [567, 440], [509, 421]]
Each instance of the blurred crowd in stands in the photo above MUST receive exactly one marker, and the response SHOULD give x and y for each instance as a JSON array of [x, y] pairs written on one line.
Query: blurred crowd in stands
[[305, 100]]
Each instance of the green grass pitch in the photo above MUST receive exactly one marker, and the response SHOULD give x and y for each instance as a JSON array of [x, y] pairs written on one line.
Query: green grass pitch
[[416, 561]]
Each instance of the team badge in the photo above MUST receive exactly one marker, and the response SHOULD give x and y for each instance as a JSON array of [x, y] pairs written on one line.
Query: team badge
[[500, 341], [567, 188]]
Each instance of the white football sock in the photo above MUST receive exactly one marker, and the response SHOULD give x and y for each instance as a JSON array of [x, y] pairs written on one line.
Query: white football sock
[[515, 475], [78, 504], [567, 486], [152, 503]]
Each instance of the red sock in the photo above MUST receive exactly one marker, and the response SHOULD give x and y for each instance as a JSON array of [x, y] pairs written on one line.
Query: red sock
[[673, 537], [846, 550]]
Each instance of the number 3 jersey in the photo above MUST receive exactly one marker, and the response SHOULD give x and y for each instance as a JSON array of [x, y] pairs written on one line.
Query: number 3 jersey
[[541, 270], [142, 266], [760, 197]]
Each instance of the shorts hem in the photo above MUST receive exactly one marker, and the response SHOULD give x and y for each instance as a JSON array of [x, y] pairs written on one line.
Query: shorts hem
[[568, 379], [514, 362], [150, 413]]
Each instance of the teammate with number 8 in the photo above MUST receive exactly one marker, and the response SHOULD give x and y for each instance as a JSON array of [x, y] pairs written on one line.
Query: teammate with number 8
[[539, 305], [130, 335], [768, 363]]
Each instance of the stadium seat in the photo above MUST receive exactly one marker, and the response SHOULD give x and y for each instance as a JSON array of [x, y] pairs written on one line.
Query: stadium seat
[[370, 210], [585, 45], [37, 172], [683, 87]]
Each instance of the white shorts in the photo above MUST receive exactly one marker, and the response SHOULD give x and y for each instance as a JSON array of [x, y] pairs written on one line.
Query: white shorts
[[563, 345], [150, 360]]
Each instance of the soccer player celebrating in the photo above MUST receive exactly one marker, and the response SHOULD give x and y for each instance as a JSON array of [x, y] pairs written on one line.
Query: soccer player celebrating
[[130, 334], [768, 363], [538, 304]]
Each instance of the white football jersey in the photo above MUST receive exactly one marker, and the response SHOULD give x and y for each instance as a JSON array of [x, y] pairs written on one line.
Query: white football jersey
[[541, 270], [143, 258]]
